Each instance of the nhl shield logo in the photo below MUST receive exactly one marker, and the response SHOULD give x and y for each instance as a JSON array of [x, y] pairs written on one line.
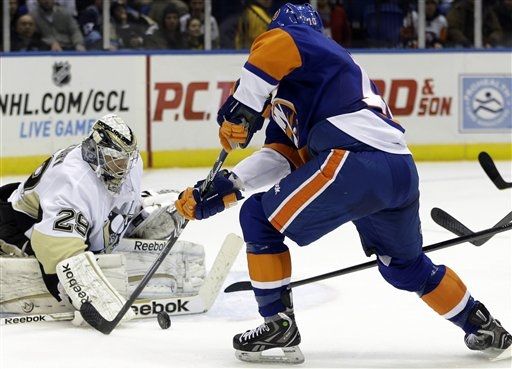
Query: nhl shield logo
[[61, 73]]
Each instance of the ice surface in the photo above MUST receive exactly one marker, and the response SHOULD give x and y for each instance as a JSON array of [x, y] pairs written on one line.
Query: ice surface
[[353, 321]]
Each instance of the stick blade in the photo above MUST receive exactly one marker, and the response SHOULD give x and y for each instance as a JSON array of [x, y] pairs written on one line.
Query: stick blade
[[238, 286], [490, 169], [94, 318], [449, 223]]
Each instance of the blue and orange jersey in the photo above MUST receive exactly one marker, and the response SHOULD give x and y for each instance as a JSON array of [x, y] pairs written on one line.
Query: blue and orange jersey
[[323, 98]]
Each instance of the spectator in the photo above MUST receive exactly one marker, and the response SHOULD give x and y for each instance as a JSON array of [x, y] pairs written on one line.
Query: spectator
[[503, 11], [125, 34], [253, 22], [25, 37], [197, 11], [58, 28], [168, 34], [68, 5], [90, 21], [436, 27], [335, 21], [382, 21], [444, 6], [135, 15], [461, 25], [156, 10], [141, 6], [194, 36], [16, 10], [228, 26]]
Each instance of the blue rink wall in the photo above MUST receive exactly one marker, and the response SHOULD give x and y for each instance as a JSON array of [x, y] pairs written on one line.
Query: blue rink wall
[[453, 104]]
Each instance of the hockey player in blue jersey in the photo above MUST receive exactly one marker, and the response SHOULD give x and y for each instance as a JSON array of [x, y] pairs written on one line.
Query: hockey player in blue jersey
[[333, 154]]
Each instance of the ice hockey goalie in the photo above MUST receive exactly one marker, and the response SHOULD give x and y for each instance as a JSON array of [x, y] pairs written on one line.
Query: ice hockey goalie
[[181, 274], [78, 229]]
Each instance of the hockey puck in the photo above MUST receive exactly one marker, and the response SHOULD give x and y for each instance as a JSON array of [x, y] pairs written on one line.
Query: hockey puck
[[164, 321]]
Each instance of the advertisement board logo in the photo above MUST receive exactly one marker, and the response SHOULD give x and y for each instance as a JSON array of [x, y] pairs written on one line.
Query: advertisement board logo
[[61, 73], [486, 103]]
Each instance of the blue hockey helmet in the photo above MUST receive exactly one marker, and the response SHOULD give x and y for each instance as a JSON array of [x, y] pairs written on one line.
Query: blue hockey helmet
[[296, 14]]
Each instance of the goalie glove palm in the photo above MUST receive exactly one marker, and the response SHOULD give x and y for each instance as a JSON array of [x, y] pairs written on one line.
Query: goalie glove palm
[[223, 192]]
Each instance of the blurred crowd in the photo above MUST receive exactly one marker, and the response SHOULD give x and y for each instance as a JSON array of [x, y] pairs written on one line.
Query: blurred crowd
[[39, 25]]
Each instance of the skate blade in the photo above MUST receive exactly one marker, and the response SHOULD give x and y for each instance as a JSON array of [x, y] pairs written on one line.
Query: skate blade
[[503, 354], [291, 355]]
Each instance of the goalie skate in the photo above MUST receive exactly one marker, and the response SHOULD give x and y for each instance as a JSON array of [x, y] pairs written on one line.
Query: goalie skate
[[278, 332]]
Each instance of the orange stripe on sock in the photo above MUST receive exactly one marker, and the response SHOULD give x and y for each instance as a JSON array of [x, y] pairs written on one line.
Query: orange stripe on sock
[[269, 267], [313, 186], [447, 295]]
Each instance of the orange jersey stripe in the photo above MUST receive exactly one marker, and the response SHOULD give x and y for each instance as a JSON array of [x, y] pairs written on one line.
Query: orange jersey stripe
[[275, 53], [447, 294], [312, 188], [269, 267]]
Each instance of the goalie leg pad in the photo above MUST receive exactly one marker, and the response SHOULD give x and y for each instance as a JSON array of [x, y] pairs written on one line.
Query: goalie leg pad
[[82, 280], [24, 292]]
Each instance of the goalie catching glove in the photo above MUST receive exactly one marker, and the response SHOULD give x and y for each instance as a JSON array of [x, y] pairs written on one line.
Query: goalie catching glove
[[223, 192], [238, 123]]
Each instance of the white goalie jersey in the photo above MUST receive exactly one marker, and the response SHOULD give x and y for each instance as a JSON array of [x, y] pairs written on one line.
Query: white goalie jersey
[[76, 211], [73, 212]]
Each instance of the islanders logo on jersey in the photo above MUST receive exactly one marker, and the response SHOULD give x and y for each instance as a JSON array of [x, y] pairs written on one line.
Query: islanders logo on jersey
[[285, 115], [486, 103]]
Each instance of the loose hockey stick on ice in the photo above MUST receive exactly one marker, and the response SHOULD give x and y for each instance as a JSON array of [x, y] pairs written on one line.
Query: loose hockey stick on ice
[[246, 285], [448, 222], [145, 308], [492, 172], [89, 312]]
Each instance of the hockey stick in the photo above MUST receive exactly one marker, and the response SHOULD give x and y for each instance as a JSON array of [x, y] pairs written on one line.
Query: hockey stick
[[145, 308], [492, 172], [448, 222], [246, 285], [89, 312]]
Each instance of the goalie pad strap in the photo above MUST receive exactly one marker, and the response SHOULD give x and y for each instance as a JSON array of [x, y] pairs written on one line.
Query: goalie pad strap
[[82, 280]]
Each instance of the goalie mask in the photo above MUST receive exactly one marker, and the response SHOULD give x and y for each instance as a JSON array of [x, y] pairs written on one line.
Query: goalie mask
[[111, 150]]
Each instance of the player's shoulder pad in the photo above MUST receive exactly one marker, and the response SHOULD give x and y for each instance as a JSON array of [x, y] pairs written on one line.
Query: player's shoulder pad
[[275, 52]]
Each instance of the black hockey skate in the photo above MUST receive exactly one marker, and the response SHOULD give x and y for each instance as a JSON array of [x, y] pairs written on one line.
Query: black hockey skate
[[279, 331], [490, 335]]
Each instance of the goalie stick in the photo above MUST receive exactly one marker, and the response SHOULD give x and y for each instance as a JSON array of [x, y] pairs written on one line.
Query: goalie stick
[[145, 308], [448, 222], [246, 285], [89, 312], [492, 172]]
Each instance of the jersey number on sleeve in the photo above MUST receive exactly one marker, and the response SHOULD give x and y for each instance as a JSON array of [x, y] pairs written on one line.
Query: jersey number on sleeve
[[69, 219]]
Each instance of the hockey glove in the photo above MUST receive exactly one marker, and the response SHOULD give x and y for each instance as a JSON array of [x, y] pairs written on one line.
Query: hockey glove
[[224, 192], [238, 123]]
